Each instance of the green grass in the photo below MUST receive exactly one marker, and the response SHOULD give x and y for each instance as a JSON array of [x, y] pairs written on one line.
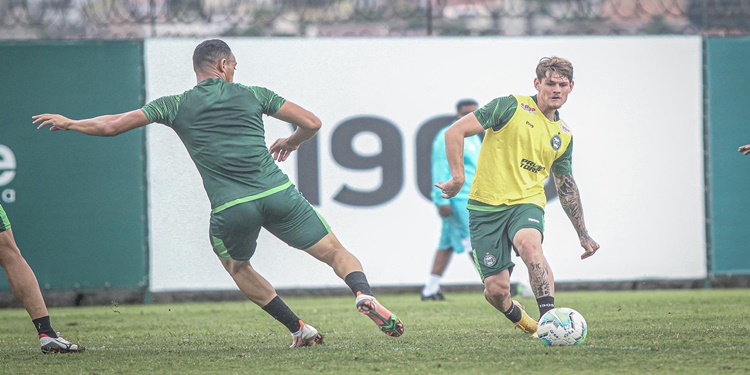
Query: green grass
[[646, 332]]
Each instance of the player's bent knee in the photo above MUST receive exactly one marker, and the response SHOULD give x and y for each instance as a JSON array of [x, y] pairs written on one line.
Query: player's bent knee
[[233, 266], [497, 287], [531, 253], [9, 255], [328, 249], [498, 292]]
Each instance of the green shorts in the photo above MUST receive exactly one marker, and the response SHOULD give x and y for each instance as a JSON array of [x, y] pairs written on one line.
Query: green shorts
[[492, 235], [4, 222], [286, 214]]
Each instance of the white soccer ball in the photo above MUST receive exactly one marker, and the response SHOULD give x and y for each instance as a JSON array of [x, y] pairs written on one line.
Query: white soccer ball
[[562, 326]]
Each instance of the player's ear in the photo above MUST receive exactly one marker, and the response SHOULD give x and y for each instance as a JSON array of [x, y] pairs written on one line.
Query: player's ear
[[222, 65]]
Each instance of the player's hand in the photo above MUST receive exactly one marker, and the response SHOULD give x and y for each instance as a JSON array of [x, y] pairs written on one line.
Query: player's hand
[[450, 188], [745, 150], [56, 122], [589, 246], [282, 148], [445, 211]]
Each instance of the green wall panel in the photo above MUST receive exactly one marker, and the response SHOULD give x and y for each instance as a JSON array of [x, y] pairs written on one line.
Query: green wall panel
[[77, 203], [727, 80]]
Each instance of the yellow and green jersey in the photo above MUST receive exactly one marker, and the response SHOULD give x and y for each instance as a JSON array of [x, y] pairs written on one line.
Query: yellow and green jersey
[[221, 126], [521, 147]]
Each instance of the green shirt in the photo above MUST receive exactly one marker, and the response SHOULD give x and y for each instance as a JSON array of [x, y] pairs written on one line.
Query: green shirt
[[221, 126]]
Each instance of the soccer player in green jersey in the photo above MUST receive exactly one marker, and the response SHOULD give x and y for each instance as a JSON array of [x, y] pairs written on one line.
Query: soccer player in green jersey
[[524, 141], [220, 123], [25, 288]]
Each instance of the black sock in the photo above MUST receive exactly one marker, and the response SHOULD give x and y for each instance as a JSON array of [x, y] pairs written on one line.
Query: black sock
[[357, 282], [513, 313], [545, 303], [281, 312], [43, 326]]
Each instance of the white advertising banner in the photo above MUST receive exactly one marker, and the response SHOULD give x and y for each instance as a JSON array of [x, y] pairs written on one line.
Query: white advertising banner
[[635, 112]]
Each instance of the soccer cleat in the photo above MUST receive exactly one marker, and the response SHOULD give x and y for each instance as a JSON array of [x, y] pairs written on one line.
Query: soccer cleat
[[306, 336], [527, 323], [388, 323], [438, 296], [58, 345]]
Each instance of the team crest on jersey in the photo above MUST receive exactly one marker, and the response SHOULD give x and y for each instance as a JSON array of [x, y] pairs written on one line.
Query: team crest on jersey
[[556, 142], [489, 260], [528, 108]]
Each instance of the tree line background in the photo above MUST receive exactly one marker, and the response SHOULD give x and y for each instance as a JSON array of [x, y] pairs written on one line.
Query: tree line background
[[135, 19]]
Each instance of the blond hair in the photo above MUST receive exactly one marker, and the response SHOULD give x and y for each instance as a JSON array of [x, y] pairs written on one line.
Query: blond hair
[[554, 64]]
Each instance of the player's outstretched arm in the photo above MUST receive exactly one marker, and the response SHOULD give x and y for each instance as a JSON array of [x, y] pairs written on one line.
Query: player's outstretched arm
[[570, 199], [307, 126], [467, 126], [745, 150], [104, 126]]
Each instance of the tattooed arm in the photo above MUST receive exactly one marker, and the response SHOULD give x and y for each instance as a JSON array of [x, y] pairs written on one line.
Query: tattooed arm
[[570, 199]]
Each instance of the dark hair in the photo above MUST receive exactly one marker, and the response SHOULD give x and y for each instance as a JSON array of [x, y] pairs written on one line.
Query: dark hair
[[209, 52], [465, 102]]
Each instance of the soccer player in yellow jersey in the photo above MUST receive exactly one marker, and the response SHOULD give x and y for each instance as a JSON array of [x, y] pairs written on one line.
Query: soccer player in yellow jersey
[[525, 140]]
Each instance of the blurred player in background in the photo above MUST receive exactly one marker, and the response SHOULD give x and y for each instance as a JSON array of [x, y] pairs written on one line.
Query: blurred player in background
[[454, 235], [25, 288], [221, 125], [524, 141]]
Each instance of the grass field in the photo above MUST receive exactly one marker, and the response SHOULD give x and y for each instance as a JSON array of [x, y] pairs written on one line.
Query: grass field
[[646, 332]]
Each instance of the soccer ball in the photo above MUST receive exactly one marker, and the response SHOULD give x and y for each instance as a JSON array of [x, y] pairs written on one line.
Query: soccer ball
[[561, 327]]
